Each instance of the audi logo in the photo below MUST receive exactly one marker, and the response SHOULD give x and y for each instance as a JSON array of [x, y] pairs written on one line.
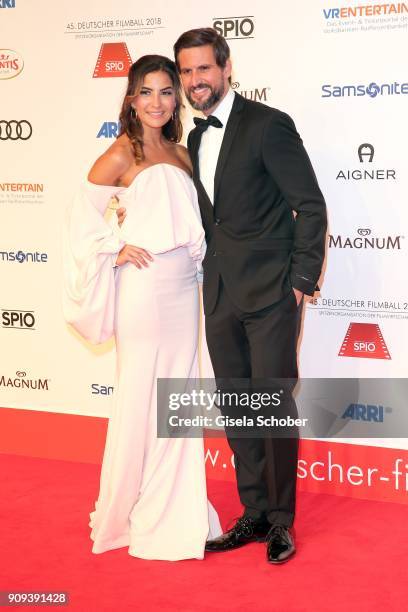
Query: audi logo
[[15, 130]]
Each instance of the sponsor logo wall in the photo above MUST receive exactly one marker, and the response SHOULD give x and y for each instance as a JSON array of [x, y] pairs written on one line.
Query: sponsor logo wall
[[347, 93]]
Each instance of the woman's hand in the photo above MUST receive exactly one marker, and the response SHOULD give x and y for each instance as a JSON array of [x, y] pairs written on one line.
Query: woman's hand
[[135, 255]]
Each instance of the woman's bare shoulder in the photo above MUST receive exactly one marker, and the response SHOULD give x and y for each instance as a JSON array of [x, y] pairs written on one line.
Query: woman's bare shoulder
[[183, 155], [111, 165]]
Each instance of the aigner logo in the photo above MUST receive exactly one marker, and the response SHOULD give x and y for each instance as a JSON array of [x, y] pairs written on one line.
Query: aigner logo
[[18, 319], [113, 61], [234, 27], [15, 130], [365, 153]]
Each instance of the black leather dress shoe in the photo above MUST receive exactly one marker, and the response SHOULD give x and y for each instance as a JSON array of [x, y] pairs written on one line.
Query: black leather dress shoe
[[245, 530], [280, 545]]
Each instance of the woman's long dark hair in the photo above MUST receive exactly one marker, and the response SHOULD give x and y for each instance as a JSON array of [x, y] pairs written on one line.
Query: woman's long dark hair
[[129, 124]]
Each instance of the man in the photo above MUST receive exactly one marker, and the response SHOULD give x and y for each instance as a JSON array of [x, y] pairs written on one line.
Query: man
[[265, 223]]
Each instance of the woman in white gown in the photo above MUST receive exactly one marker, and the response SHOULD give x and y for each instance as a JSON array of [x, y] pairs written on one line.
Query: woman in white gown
[[140, 284]]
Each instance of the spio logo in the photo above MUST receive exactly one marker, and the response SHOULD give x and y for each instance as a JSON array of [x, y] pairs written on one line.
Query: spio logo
[[109, 129], [15, 130], [21, 257], [7, 4], [364, 340], [11, 63], [366, 150], [113, 61], [18, 319], [234, 27]]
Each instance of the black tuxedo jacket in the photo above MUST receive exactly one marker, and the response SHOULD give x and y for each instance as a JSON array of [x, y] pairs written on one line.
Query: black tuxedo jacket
[[255, 242]]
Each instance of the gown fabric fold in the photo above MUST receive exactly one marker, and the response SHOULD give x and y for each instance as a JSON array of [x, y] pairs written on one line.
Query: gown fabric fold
[[152, 494]]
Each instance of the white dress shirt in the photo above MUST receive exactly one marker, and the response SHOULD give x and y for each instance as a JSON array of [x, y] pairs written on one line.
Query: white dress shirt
[[210, 145]]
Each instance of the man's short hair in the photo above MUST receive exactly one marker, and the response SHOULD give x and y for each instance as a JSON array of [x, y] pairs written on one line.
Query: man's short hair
[[200, 37]]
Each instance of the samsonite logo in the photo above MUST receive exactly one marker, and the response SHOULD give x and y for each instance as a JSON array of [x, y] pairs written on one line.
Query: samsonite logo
[[97, 389], [372, 90], [11, 63]]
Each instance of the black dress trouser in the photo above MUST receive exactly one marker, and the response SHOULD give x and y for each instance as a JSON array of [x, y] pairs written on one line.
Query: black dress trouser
[[259, 345]]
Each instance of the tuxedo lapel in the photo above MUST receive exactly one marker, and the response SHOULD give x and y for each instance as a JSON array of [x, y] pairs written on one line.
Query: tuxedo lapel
[[230, 131]]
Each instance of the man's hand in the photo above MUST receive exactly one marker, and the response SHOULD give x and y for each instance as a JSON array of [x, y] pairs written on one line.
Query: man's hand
[[298, 295], [121, 214], [134, 255]]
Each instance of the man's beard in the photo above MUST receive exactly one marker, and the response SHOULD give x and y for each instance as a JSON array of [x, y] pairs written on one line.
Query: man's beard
[[216, 95]]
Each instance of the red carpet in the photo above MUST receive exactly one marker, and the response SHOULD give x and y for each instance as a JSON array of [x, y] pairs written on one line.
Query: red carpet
[[351, 553]]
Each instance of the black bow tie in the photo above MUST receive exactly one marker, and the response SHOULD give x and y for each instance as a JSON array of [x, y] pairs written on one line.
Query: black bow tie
[[203, 124]]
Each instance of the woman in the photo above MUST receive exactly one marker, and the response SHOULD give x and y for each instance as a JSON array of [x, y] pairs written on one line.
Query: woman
[[141, 285]]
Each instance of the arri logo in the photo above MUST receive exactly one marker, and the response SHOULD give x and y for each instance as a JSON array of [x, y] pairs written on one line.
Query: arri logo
[[109, 129], [7, 4], [11, 63], [365, 240], [113, 61], [21, 257], [365, 153], [372, 90], [18, 319], [364, 340], [234, 27], [365, 412]]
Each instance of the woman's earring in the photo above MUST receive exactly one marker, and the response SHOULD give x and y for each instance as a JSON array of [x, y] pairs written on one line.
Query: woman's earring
[[173, 117], [133, 113]]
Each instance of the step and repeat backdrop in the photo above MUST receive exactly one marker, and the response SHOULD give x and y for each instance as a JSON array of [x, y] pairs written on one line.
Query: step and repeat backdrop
[[337, 67]]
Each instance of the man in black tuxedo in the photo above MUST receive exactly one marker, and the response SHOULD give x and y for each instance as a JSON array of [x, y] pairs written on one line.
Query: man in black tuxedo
[[265, 222]]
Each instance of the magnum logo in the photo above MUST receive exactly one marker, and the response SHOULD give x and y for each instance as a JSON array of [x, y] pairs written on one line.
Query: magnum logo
[[365, 240], [20, 381]]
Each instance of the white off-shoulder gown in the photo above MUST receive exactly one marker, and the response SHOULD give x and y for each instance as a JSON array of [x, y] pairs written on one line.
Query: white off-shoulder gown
[[152, 495]]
